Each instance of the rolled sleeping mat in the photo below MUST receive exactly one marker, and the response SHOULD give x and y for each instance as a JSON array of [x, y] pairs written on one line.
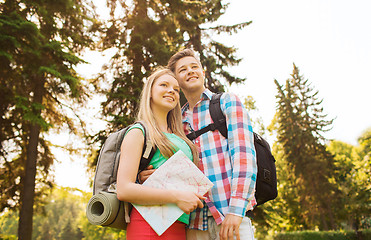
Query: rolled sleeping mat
[[106, 210]]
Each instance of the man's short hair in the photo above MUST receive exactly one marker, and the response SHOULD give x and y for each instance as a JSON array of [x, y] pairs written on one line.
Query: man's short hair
[[179, 55]]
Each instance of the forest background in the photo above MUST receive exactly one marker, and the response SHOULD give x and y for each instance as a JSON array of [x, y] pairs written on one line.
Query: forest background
[[52, 102]]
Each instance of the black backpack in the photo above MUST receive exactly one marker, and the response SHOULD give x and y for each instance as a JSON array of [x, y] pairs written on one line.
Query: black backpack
[[266, 182]]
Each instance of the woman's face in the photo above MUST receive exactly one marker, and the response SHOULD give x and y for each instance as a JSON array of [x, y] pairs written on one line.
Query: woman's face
[[165, 93]]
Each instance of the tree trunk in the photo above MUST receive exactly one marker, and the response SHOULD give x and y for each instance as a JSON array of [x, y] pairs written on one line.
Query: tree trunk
[[356, 227], [27, 199], [28, 193], [331, 216]]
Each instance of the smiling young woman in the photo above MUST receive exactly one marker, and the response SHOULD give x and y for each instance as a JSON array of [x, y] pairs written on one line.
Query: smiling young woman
[[160, 112]]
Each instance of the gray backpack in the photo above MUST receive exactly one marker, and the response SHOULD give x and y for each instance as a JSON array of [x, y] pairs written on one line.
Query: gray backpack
[[104, 208]]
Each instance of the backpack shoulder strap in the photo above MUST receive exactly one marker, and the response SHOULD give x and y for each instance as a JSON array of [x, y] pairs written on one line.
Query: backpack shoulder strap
[[217, 115], [219, 121], [148, 150]]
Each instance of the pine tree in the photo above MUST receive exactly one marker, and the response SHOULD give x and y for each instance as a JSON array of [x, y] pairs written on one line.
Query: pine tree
[[195, 21], [38, 46], [145, 34], [300, 127]]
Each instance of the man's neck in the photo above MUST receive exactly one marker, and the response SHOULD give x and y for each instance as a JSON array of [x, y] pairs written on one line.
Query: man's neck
[[193, 97]]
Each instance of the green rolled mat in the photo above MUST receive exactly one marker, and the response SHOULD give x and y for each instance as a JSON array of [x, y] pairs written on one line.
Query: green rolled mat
[[106, 210]]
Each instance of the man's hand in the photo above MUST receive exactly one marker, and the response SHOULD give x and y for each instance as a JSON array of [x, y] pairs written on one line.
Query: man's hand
[[230, 227], [143, 175]]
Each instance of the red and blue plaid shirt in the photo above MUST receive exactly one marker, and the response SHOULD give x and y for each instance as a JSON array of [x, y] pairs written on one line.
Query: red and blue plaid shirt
[[230, 164]]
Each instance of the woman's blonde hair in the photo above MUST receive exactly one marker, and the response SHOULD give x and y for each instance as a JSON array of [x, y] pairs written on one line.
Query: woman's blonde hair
[[174, 120]]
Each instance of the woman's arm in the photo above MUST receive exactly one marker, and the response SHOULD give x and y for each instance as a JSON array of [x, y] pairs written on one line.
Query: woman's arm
[[129, 191]]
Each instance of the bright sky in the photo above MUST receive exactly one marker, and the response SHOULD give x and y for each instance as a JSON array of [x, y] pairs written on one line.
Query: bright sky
[[330, 42]]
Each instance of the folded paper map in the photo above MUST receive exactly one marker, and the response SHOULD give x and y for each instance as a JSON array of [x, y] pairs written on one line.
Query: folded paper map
[[178, 172]]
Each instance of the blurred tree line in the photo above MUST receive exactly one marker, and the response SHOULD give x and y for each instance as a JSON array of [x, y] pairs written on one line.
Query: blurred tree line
[[322, 185], [61, 217]]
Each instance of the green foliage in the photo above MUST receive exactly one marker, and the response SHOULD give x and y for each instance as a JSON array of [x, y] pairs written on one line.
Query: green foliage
[[304, 165], [7, 237], [31, 112], [256, 121], [318, 235], [8, 224], [282, 213], [62, 217], [57, 219], [320, 186], [39, 43], [144, 35], [352, 176]]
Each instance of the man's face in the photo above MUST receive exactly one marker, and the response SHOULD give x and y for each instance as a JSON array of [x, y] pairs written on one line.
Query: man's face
[[189, 74]]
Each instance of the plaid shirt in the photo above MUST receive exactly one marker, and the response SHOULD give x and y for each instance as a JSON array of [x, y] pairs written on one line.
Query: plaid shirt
[[230, 164]]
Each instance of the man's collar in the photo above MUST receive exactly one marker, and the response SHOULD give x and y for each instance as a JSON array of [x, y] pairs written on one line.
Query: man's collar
[[207, 94]]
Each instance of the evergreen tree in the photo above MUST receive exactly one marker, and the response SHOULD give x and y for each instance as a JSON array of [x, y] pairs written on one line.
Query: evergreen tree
[[308, 166], [38, 46], [145, 34]]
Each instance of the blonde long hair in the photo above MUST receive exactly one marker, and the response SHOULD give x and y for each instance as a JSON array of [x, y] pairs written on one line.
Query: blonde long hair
[[174, 120]]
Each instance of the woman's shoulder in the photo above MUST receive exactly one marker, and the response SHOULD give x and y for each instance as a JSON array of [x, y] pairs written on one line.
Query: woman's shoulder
[[136, 127]]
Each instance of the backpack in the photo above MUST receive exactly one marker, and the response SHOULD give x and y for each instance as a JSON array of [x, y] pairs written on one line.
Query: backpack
[[266, 182], [104, 208]]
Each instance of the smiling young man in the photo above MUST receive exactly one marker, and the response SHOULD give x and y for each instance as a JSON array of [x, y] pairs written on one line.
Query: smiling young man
[[229, 163]]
